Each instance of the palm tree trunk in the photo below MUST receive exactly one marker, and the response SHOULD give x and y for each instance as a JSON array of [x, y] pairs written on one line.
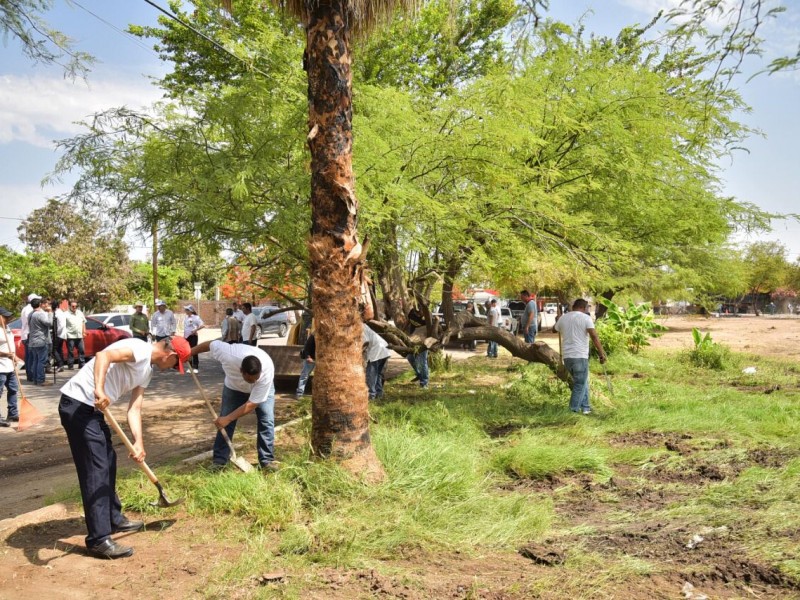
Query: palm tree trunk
[[340, 418]]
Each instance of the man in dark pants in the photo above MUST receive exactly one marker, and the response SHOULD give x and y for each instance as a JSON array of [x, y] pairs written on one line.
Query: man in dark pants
[[123, 367]]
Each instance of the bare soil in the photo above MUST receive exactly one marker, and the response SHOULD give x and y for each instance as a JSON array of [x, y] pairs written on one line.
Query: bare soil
[[177, 557]]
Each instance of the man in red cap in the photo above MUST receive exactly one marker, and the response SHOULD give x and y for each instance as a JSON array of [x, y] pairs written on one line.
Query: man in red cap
[[124, 367]]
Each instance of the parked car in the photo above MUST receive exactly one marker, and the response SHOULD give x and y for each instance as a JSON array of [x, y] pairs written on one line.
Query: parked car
[[278, 323], [98, 336], [118, 320], [458, 306], [550, 308], [507, 320]]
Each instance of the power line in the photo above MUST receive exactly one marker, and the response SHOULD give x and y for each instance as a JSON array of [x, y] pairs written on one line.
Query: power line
[[205, 37], [126, 34]]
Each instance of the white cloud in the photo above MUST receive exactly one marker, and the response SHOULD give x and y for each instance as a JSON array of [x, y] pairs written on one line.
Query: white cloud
[[37, 109]]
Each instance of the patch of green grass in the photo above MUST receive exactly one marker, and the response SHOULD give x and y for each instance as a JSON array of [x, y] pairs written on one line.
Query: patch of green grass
[[533, 456]]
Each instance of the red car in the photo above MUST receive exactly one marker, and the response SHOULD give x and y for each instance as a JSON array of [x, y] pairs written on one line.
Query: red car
[[98, 336]]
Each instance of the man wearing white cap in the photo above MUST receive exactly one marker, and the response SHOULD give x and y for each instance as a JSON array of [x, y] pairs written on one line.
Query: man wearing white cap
[[25, 329], [162, 323], [191, 325]]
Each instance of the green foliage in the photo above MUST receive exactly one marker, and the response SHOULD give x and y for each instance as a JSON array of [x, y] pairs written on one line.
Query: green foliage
[[636, 323], [41, 43], [611, 338], [707, 353]]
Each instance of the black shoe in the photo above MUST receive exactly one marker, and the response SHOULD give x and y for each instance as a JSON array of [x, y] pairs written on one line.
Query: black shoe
[[110, 549], [415, 379], [270, 467], [14, 419], [127, 525], [4, 423]]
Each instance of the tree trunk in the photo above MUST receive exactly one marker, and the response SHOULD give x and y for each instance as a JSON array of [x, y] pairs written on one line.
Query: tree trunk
[[340, 419], [453, 267], [395, 293], [599, 309], [467, 328]]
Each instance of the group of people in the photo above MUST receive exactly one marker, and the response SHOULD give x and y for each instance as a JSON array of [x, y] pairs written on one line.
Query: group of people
[[124, 370], [51, 329]]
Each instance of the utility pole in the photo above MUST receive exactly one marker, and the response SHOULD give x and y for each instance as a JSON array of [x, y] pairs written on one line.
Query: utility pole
[[155, 264]]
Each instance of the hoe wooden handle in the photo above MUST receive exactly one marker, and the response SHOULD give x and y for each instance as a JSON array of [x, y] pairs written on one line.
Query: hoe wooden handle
[[115, 426]]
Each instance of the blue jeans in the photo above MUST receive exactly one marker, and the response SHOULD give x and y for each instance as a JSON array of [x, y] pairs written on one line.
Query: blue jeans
[[265, 430], [419, 362], [9, 380], [308, 368], [530, 334], [375, 377], [36, 361], [579, 369], [491, 351], [73, 343]]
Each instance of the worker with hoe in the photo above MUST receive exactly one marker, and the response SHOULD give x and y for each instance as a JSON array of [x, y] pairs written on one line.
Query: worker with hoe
[[124, 367], [248, 387]]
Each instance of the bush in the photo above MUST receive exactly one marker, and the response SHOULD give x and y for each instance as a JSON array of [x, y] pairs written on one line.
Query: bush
[[612, 339], [636, 323], [707, 353]]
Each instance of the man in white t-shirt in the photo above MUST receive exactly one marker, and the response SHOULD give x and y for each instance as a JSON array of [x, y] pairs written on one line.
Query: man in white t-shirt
[[248, 387], [123, 368], [377, 355], [493, 318], [250, 325], [575, 329]]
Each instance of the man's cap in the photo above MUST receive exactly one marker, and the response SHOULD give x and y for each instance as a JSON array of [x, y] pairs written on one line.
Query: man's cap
[[137, 303], [34, 297], [189, 307], [4, 312], [183, 350], [160, 302]]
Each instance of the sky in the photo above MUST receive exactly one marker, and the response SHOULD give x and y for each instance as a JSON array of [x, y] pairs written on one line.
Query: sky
[[38, 105]]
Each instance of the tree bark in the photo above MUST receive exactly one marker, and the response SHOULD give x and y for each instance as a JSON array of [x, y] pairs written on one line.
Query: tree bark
[[600, 310], [340, 418]]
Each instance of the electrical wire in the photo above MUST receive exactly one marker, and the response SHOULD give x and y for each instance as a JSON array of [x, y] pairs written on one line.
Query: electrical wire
[[126, 34], [205, 37]]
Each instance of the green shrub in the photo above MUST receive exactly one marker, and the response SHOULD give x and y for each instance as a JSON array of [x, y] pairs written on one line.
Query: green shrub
[[612, 339], [636, 323], [707, 353]]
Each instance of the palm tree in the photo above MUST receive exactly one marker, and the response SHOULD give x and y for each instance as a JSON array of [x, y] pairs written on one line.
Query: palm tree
[[340, 418]]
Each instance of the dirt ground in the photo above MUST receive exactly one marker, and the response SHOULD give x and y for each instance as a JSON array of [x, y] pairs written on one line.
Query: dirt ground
[[42, 553]]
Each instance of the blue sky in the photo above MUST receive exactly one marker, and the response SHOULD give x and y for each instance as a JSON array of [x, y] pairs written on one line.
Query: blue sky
[[37, 105]]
